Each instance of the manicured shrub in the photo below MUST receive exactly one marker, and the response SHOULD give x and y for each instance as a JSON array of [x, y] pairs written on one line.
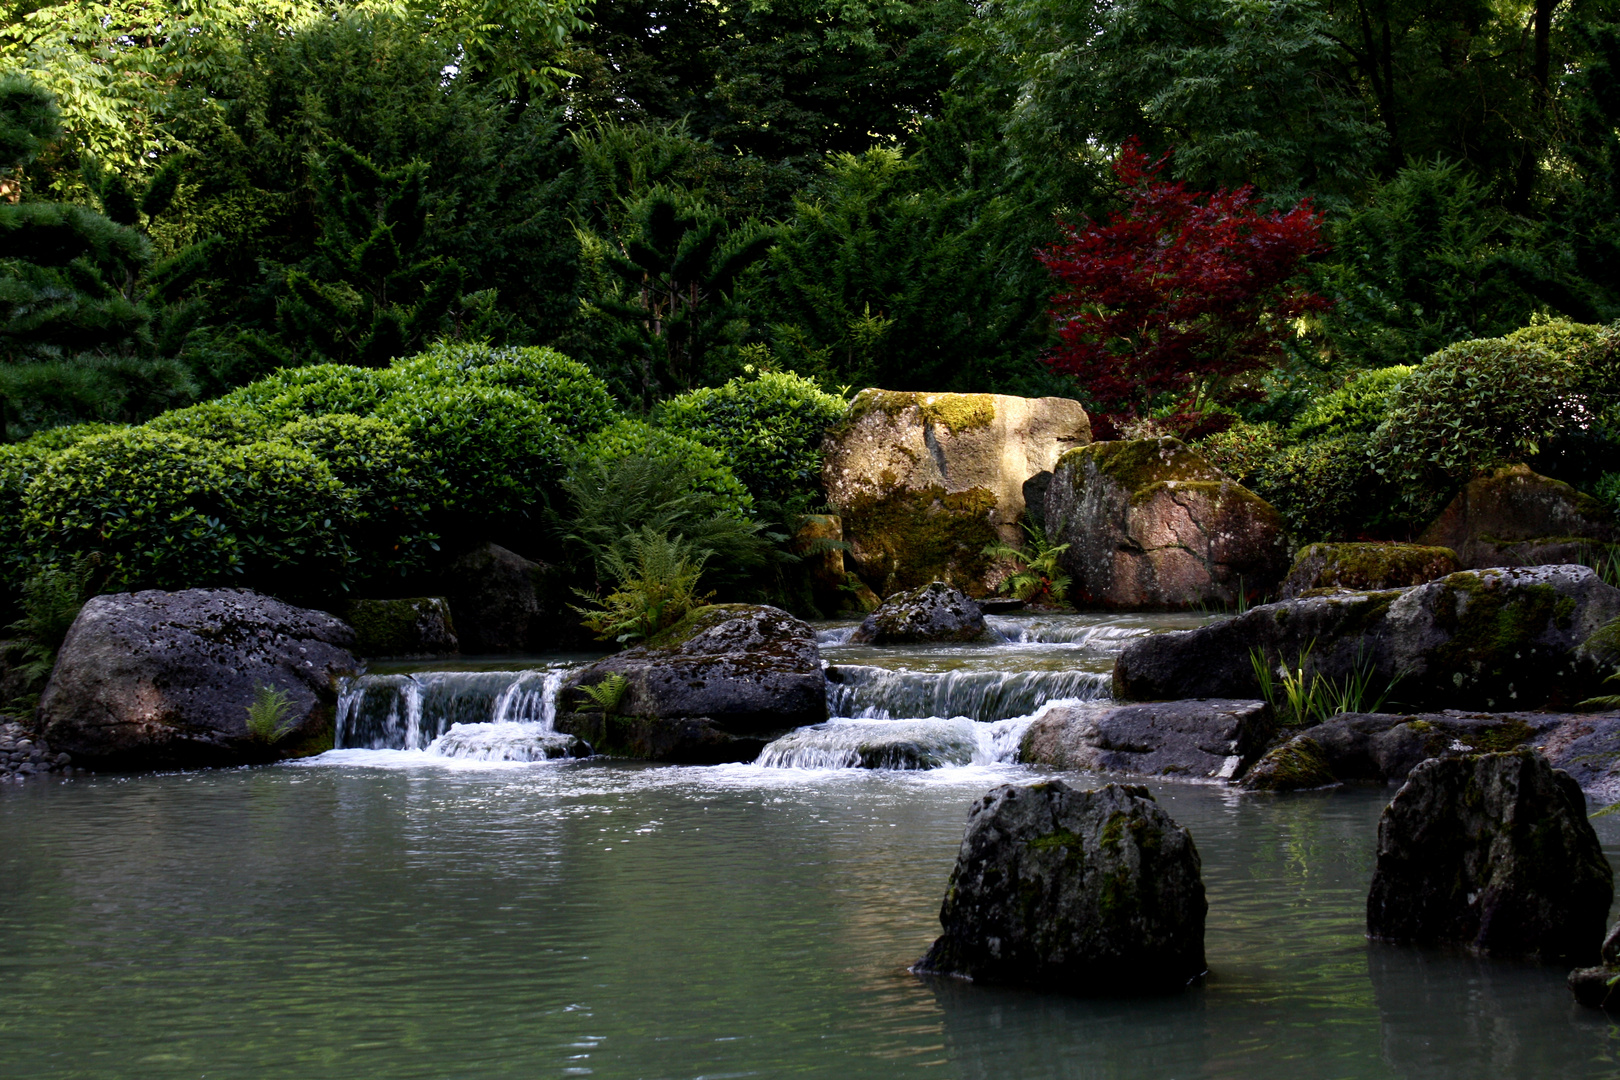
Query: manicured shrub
[[60, 438], [288, 514], [20, 463], [1242, 449], [216, 421], [1472, 406], [150, 503], [1563, 338], [703, 468], [768, 429], [498, 453], [316, 390], [1357, 407], [565, 390], [394, 493]]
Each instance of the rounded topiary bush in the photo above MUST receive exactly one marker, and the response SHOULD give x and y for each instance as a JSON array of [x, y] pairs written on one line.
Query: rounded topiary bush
[[216, 421], [149, 503], [394, 493], [288, 514], [1472, 406], [1356, 408], [317, 390], [497, 451], [768, 429], [704, 468], [565, 390]]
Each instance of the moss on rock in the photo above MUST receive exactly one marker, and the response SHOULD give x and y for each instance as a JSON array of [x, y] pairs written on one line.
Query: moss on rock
[[1367, 566], [912, 538], [955, 412], [1296, 765], [413, 626]]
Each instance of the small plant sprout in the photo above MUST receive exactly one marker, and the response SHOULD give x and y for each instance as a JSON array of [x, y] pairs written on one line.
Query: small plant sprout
[[607, 694], [269, 716]]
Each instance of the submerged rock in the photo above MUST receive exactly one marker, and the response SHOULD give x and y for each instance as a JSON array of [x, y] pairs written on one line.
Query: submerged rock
[[416, 627], [1149, 523], [1365, 567], [717, 687], [1516, 517], [1494, 852], [1203, 740], [153, 680], [1087, 892], [1599, 987], [924, 482], [1491, 639], [1300, 764], [876, 744], [934, 612]]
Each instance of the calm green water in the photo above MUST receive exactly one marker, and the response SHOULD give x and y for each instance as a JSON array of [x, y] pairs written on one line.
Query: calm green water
[[373, 915]]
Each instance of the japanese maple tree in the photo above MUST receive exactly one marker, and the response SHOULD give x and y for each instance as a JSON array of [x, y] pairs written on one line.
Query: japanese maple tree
[[1179, 293]]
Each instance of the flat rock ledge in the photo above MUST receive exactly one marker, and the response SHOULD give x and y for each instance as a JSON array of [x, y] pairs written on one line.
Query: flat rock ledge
[[1204, 739], [1097, 893]]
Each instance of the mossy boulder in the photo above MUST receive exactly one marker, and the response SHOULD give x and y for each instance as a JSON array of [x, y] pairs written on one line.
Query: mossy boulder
[[416, 627], [1151, 524], [1297, 765], [1493, 852], [1191, 740], [1366, 566], [163, 680], [1087, 892], [924, 482], [1516, 517], [1499, 639], [1599, 987], [718, 686], [935, 612]]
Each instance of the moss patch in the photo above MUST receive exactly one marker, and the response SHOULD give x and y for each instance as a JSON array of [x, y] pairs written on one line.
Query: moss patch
[[1297, 764], [1139, 464], [955, 412], [1062, 838], [913, 537], [393, 627], [1373, 566]]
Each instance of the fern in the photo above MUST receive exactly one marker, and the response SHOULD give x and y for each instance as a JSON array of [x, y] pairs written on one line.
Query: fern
[[1040, 579], [607, 694], [269, 717]]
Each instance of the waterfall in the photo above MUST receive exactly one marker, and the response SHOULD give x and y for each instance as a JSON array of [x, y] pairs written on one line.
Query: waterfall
[[409, 712], [897, 744], [860, 691], [505, 740], [1102, 636]]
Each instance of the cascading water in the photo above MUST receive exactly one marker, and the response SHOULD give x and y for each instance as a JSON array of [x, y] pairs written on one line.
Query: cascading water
[[897, 744], [867, 692], [411, 712]]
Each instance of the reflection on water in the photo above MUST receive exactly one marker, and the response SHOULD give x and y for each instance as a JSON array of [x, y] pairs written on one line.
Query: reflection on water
[[386, 914]]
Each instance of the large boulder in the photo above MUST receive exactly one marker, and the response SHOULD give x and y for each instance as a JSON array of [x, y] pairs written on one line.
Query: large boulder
[[1488, 639], [1515, 517], [1193, 740], [1150, 524], [924, 482], [1493, 852], [418, 627], [1088, 892], [152, 680], [493, 599], [717, 687], [934, 612], [1366, 567]]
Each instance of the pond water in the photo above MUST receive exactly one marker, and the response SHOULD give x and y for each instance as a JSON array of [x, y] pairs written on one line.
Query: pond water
[[393, 913]]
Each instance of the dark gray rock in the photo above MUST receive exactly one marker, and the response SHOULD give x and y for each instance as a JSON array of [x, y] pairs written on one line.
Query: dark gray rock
[[21, 755], [152, 680], [1599, 987], [418, 627], [934, 612], [1491, 639], [1493, 852], [1516, 517], [1088, 892], [493, 599], [718, 687], [1586, 746], [1201, 739]]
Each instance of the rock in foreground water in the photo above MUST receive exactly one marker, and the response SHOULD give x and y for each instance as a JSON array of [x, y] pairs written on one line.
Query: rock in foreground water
[[1599, 987], [1201, 739], [152, 680], [1493, 852], [934, 612], [717, 687], [1087, 892]]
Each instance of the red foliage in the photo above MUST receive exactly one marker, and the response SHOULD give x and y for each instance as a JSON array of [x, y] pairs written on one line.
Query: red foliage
[[1180, 293]]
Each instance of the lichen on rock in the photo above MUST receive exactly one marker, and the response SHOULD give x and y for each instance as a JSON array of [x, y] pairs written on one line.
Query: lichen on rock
[[1366, 566]]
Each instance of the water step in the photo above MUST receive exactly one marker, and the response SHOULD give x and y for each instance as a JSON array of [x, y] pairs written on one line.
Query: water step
[[865, 692]]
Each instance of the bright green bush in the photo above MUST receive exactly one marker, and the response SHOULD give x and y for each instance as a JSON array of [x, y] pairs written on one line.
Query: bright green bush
[[565, 390], [150, 503], [1242, 449], [60, 438], [316, 390], [1563, 338], [288, 514], [704, 468], [394, 493], [20, 463], [498, 453], [216, 421], [1356, 408], [1469, 407], [768, 429]]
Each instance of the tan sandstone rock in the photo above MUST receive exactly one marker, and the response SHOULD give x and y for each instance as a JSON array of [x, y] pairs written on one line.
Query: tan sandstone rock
[[1150, 523], [925, 481]]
